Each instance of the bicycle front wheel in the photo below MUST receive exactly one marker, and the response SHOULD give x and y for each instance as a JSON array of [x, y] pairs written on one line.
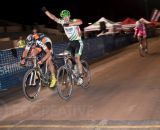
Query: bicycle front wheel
[[86, 74], [31, 84], [64, 83]]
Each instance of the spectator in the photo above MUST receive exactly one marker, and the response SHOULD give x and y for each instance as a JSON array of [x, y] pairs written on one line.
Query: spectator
[[21, 42]]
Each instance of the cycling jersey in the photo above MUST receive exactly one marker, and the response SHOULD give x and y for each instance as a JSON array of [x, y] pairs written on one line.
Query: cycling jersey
[[43, 42], [74, 35], [140, 29], [72, 32]]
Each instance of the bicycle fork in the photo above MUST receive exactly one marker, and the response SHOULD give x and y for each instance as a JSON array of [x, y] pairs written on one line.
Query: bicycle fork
[[32, 80]]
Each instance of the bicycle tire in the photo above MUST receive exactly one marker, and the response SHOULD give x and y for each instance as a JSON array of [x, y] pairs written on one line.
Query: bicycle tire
[[86, 74], [25, 85], [64, 81]]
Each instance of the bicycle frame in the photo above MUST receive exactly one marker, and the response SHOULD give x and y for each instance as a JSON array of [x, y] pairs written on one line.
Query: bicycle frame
[[67, 78], [37, 67], [68, 64]]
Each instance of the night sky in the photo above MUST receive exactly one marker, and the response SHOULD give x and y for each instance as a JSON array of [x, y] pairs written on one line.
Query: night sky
[[29, 11]]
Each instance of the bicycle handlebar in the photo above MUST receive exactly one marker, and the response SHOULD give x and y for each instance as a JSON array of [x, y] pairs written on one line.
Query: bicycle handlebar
[[63, 55], [32, 57]]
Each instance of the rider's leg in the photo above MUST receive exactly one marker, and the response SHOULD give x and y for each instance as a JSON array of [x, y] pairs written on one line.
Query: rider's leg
[[70, 50], [78, 62], [51, 68], [145, 41], [78, 53], [146, 45], [50, 64], [140, 41]]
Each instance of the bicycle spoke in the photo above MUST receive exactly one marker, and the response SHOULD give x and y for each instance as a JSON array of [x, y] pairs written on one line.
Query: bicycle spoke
[[64, 83]]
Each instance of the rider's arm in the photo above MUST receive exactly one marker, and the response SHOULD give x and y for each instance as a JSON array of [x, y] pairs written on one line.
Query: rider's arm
[[24, 55], [75, 22], [25, 52], [50, 15]]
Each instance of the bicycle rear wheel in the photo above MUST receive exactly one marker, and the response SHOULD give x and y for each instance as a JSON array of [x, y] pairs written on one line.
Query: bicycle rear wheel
[[64, 83], [31, 84], [86, 74]]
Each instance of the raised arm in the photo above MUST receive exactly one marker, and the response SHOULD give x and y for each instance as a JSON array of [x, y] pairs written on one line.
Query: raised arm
[[50, 15], [76, 22]]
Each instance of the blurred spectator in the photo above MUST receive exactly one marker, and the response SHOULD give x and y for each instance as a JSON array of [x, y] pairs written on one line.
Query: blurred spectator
[[21, 42], [141, 32]]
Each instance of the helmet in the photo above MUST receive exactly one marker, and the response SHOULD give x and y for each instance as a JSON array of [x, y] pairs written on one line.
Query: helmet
[[30, 39], [36, 36], [64, 13]]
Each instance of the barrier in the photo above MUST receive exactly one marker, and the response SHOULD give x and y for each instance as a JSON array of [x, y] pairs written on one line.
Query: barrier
[[11, 73], [93, 48]]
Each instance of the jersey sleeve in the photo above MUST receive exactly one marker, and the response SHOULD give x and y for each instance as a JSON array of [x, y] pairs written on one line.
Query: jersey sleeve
[[60, 21]]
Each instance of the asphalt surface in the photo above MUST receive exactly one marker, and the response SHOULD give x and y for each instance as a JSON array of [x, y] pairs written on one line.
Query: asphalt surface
[[124, 87]]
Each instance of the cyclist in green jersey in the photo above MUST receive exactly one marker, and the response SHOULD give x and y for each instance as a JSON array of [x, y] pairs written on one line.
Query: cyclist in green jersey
[[72, 31]]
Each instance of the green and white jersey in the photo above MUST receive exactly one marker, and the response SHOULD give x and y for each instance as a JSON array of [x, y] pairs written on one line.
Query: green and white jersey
[[72, 32]]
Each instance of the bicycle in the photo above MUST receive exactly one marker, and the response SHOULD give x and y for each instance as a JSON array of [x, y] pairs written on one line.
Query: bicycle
[[143, 47], [35, 78], [68, 76]]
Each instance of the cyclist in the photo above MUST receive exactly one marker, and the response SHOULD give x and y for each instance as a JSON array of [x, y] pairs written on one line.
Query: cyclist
[[140, 32], [72, 31], [39, 43]]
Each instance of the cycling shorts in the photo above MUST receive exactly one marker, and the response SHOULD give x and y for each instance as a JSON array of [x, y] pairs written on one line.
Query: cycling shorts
[[75, 47]]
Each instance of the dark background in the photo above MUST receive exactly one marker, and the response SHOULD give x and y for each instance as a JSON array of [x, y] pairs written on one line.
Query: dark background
[[29, 11]]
